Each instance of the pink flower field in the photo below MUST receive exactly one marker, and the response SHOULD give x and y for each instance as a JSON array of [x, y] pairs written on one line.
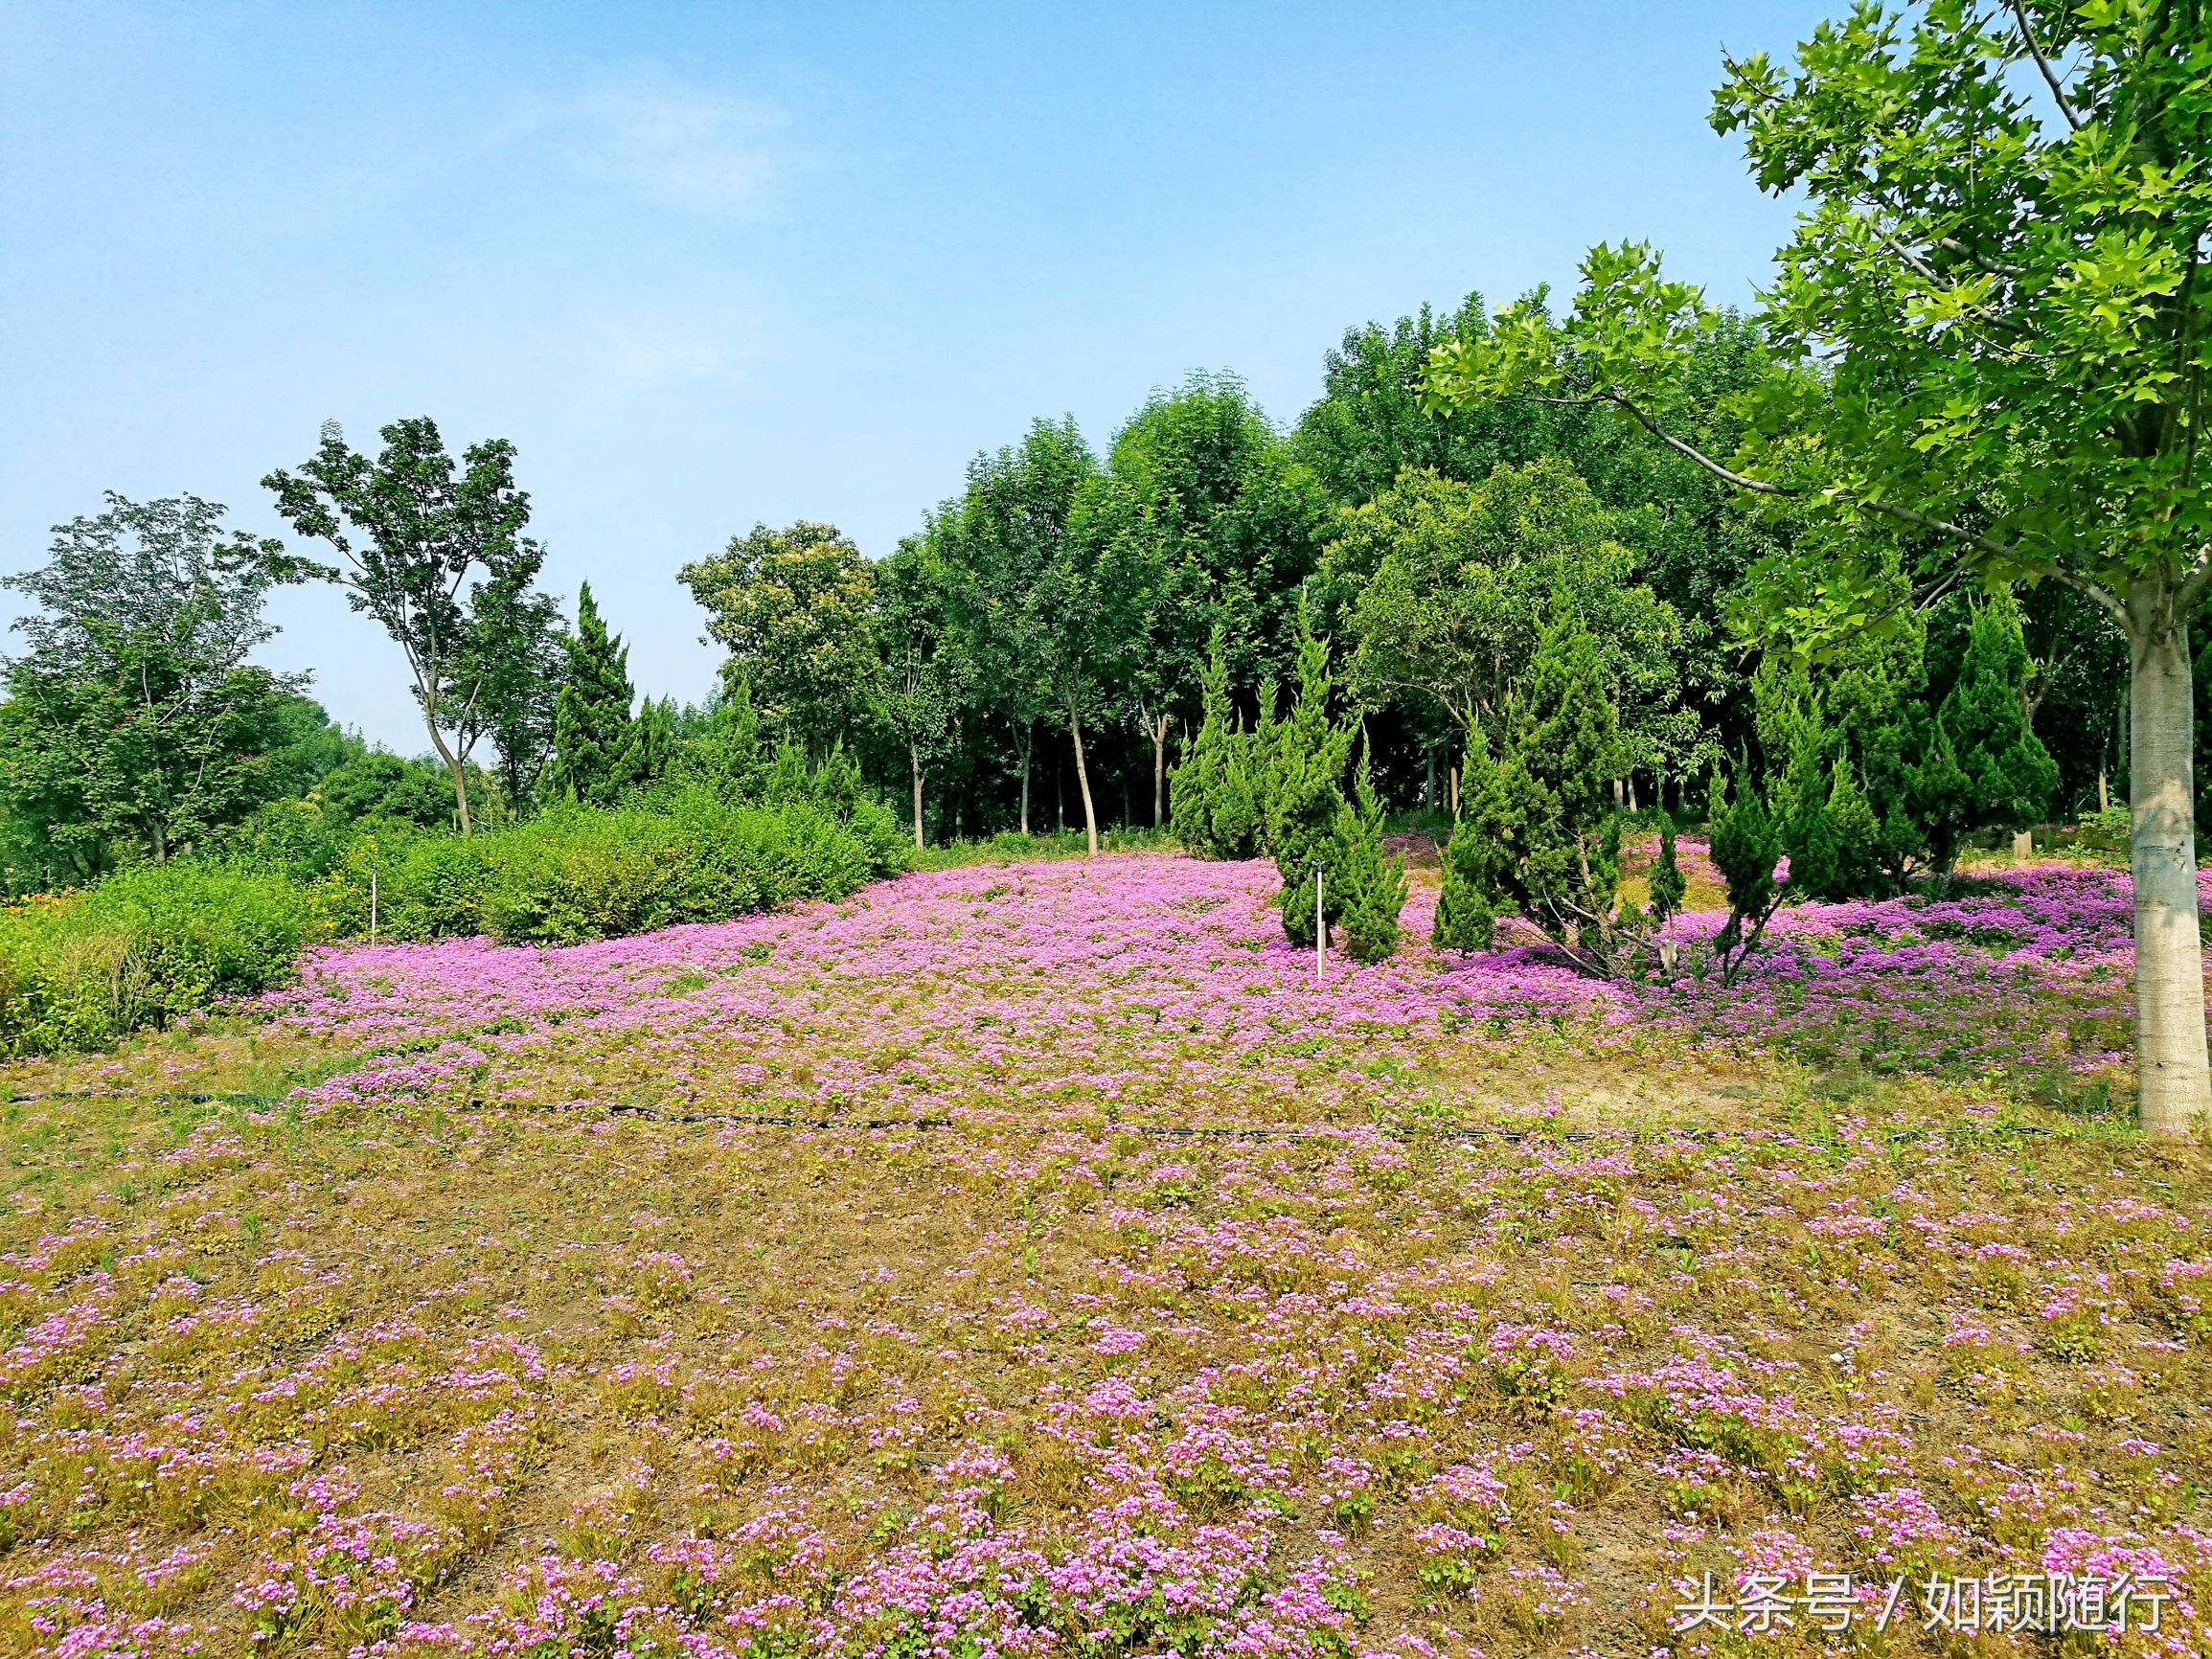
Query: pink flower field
[[1032, 1259]]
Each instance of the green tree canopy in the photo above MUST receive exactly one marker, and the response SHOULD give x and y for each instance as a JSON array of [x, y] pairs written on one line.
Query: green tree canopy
[[1449, 586], [436, 554], [922, 687], [791, 608], [134, 724], [996, 544]]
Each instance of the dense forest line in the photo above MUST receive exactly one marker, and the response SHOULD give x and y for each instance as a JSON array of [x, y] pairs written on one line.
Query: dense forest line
[[1031, 658]]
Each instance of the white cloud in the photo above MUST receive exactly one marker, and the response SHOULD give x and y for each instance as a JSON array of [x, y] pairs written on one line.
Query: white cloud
[[695, 148]]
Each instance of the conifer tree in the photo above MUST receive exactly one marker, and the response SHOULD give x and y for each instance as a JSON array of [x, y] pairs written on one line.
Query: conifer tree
[[1371, 887], [650, 746], [787, 777], [836, 784], [1240, 788], [1668, 885], [1541, 824], [1466, 908], [1305, 788], [1745, 847], [1197, 785], [1987, 770], [591, 720], [724, 754]]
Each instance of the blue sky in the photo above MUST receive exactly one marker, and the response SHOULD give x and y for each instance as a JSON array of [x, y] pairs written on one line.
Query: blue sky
[[713, 264]]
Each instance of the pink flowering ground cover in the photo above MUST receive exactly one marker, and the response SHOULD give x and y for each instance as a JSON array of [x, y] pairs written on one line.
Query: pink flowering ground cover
[[425, 1349]]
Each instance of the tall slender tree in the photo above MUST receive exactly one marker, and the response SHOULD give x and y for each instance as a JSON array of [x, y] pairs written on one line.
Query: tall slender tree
[[1024, 599], [925, 676], [434, 552]]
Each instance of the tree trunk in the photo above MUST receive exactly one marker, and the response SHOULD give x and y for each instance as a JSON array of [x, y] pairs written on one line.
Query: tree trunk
[[461, 793], [2170, 1060], [1083, 777], [457, 764], [914, 761], [1159, 735], [1025, 745]]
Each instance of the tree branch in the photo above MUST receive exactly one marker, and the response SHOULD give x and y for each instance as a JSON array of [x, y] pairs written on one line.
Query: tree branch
[[1996, 269], [1996, 549], [1756, 486], [2193, 584], [2050, 75]]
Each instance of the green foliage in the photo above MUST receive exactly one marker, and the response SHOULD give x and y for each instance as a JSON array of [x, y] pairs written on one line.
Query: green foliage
[[1209, 523], [134, 725], [1467, 901], [144, 947], [592, 758], [924, 678], [691, 853], [793, 608], [1745, 846], [723, 751], [383, 788], [437, 556], [650, 748], [1010, 575], [313, 747], [1868, 783], [1216, 810], [1990, 771], [1668, 884], [1371, 888], [1307, 756], [1452, 586], [576, 875], [1543, 836]]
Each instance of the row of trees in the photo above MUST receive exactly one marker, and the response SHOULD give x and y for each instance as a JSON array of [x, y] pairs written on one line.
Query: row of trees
[[1049, 627]]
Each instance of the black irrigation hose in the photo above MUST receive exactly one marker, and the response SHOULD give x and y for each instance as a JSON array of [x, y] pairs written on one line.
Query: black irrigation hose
[[1512, 1136], [789, 1120]]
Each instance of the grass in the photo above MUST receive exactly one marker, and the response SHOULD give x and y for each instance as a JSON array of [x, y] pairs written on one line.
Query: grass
[[1011, 846], [1440, 1340]]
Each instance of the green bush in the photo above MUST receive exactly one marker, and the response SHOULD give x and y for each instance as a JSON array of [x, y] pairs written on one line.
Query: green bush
[[579, 873], [147, 944], [142, 947]]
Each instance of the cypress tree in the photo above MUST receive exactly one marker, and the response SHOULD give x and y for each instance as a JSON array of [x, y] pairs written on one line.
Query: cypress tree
[[1540, 828], [1240, 788], [1668, 885], [1745, 847], [1305, 788], [591, 719], [648, 747], [787, 777], [1371, 888], [725, 753], [1467, 906], [1988, 770], [1197, 786]]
